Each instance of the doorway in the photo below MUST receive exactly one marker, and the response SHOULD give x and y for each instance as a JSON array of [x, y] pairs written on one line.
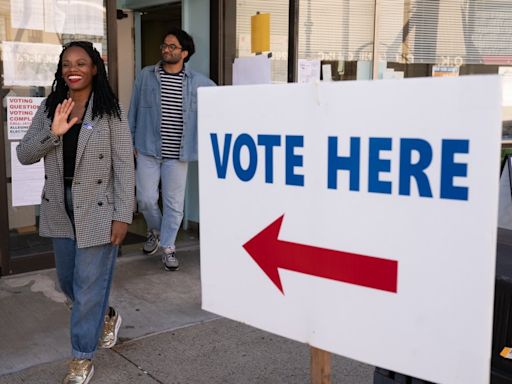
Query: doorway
[[155, 22]]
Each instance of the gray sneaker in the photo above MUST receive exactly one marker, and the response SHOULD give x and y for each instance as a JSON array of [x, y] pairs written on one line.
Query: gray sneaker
[[169, 259], [152, 242]]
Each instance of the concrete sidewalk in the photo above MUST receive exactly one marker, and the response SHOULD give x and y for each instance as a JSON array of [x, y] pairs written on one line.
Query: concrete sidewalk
[[165, 338]]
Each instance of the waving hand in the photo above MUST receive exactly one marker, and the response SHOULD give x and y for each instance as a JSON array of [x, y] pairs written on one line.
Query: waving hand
[[60, 124]]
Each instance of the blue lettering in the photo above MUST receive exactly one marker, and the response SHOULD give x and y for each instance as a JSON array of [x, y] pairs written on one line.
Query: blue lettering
[[293, 160], [221, 165], [336, 163], [269, 142], [244, 140], [378, 165], [450, 169], [409, 170], [415, 157]]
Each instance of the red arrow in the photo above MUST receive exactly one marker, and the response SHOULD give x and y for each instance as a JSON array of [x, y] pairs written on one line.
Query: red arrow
[[270, 253]]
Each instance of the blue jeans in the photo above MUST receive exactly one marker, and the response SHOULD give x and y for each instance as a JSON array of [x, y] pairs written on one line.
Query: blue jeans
[[173, 177], [85, 276]]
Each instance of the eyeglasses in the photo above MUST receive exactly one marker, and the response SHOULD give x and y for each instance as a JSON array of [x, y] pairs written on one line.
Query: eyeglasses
[[171, 47]]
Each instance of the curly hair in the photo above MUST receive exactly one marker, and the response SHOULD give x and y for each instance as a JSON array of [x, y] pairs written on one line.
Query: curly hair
[[105, 101], [186, 41]]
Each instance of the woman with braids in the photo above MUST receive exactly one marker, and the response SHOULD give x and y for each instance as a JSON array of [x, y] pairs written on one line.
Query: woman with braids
[[86, 206]]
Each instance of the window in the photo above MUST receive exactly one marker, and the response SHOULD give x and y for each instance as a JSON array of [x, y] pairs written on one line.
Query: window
[[278, 10], [32, 34]]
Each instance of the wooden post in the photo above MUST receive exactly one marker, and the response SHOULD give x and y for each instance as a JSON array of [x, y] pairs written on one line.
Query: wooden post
[[320, 366]]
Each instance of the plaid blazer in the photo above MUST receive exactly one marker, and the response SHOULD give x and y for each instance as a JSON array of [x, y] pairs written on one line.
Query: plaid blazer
[[103, 184]]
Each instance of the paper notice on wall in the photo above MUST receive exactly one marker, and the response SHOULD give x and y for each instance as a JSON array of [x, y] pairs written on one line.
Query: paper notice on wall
[[55, 15], [29, 64], [252, 70], [445, 71], [389, 73], [59, 16], [27, 14], [506, 85], [308, 71], [20, 111], [74, 17], [90, 17], [326, 72], [27, 180]]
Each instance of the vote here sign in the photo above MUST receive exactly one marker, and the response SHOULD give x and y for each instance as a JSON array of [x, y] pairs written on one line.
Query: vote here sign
[[358, 217]]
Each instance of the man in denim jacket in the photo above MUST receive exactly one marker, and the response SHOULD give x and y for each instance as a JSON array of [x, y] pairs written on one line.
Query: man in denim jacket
[[163, 123]]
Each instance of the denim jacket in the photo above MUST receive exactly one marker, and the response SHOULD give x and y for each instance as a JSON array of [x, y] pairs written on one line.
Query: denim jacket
[[144, 116]]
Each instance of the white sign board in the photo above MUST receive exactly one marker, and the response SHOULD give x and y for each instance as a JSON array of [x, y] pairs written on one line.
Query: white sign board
[[358, 222], [20, 111], [27, 180]]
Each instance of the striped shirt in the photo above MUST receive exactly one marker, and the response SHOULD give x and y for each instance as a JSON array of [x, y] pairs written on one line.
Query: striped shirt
[[171, 129]]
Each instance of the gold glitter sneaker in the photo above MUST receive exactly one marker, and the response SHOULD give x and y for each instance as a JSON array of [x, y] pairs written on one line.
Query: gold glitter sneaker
[[111, 327], [80, 371]]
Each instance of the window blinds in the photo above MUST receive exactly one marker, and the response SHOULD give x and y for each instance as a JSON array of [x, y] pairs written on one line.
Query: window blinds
[[336, 30], [449, 32]]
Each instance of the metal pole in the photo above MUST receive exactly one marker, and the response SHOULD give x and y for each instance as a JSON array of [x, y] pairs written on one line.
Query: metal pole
[[293, 40], [376, 40]]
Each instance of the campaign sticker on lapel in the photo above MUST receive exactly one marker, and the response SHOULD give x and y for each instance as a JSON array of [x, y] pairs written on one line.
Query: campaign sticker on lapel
[[88, 126]]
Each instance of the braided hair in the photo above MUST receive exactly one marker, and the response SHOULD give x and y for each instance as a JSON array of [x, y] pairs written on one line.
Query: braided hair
[[105, 101]]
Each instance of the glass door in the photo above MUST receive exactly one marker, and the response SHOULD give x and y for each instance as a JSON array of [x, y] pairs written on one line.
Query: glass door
[[32, 34]]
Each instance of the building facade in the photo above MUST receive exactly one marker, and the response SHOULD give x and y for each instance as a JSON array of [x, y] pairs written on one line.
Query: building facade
[[346, 39]]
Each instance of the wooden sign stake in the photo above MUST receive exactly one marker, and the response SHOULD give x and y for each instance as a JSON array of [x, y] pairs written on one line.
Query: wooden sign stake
[[320, 366]]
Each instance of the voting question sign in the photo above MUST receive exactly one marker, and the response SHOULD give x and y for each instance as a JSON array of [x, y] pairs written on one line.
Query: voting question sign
[[359, 217]]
